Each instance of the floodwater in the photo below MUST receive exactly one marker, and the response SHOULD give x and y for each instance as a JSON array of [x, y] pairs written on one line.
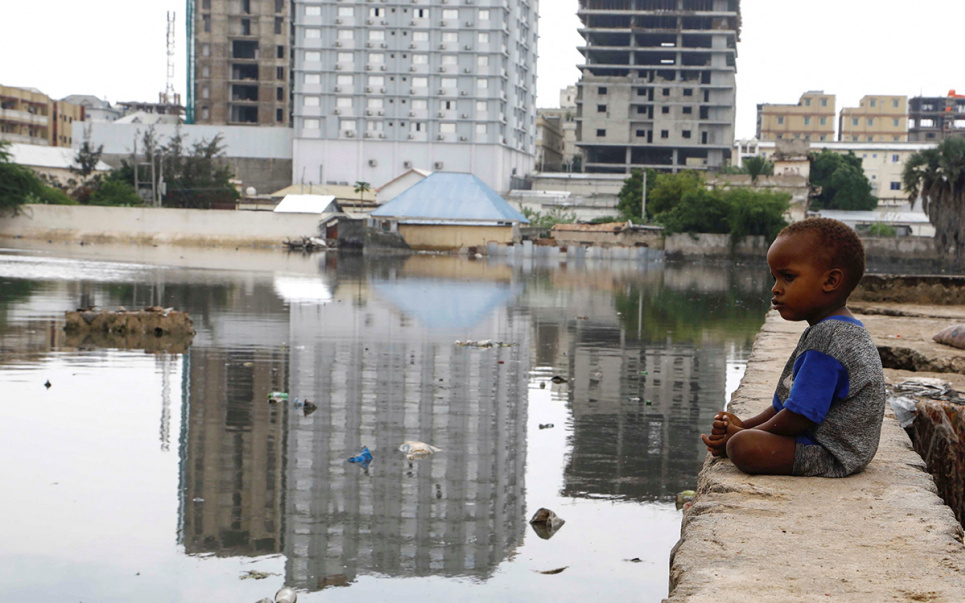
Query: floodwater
[[143, 476]]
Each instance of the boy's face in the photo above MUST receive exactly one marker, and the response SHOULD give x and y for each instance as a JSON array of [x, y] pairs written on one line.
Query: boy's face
[[804, 287]]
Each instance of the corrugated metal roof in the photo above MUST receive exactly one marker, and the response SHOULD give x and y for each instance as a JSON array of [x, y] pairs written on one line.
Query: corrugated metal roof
[[449, 196], [305, 204], [608, 227]]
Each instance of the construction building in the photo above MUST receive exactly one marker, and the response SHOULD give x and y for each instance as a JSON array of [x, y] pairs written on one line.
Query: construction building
[[878, 118], [658, 83], [812, 118], [29, 116], [935, 118], [238, 62], [549, 141], [440, 85]]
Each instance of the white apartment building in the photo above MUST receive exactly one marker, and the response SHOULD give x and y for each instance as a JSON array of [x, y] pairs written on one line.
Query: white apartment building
[[383, 86]]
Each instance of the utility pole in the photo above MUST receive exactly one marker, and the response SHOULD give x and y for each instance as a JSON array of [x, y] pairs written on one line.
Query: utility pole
[[643, 199]]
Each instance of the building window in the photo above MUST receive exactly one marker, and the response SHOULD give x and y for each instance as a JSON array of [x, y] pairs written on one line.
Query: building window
[[824, 102], [807, 102], [664, 133], [316, 11], [205, 71], [279, 93], [376, 35], [780, 120], [807, 121], [894, 103], [483, 38], [601, 133], [313, 56], [450, 14], [311, 124], [482, 84], [601, 108], [665, 110], [854, 121], [343, 34], [824, 121], [480, 128], [894, 159], [314, 78], [279, 73], [342, 80], [685, 133], [420, 82], [279, 6], [280, 52], [688, 92], [206, 21], [484, 15], [205, 4], [641, 133], [873, 102], [896, 186], [279, 115], [895, 122], [447, 128], [871, 121], [601, 90], [313, 101], [666, 91], [206, 50], [279, 24], [420, 36], [205, 92], [205, 113], [687, 110]]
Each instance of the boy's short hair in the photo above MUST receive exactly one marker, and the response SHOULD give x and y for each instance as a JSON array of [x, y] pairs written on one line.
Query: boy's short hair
[[840, 246]]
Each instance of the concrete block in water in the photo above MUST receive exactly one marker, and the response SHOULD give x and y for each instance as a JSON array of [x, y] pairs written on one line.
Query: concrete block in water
[[152, 329]]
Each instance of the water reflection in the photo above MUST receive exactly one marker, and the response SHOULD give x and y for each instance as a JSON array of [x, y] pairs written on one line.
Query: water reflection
[[647, 352]]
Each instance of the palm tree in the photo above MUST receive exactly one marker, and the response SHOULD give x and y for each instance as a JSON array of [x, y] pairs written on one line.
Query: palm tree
[[361, 188], [938, 176], [758, 166]]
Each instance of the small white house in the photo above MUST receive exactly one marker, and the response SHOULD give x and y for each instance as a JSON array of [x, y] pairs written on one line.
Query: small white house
[[395, 187]]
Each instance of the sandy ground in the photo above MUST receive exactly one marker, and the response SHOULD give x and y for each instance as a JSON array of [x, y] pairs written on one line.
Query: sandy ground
[[881, 535]]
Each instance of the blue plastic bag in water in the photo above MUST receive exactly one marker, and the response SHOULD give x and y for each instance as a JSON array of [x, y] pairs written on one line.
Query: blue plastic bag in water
[[364, 457]]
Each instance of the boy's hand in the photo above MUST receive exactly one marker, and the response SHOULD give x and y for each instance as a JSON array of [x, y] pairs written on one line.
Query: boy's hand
[[725, 425]]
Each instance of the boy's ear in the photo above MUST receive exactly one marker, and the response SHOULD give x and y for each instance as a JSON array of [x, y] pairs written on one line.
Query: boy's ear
[[833, 280]]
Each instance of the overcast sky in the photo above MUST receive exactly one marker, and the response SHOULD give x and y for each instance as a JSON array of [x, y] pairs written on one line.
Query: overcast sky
[[115, 49]]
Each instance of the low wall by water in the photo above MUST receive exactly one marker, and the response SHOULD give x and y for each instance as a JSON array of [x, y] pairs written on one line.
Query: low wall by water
[[937, 290], [882, 534], [149, 225], [713, 245], [573, 253]]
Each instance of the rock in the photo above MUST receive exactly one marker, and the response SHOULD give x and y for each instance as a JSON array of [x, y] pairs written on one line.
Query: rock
[[953, 336]]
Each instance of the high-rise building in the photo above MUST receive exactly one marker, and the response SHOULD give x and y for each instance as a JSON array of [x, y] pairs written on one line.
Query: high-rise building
[[935, 118], [658, 86], [238, 62], [812, 118], [380, 88], [566, 115], [877, 119]]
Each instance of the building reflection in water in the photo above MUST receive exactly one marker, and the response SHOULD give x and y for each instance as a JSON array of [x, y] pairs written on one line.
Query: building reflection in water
[[381, 365]]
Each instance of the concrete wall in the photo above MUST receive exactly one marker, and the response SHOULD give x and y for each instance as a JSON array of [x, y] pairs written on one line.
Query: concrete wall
[[239, 141], [901, 248], [449, 238], [713, 245], [627, 238], [158, 225]]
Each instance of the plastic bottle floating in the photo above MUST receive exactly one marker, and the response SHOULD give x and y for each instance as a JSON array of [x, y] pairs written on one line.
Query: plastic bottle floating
[[286, 594], [418, 450], [363, 458]]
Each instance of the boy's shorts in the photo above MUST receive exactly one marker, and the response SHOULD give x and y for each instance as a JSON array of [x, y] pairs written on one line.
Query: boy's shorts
[[813, 460]]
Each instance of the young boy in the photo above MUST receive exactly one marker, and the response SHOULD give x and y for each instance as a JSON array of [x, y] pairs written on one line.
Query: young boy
[[825, 419]]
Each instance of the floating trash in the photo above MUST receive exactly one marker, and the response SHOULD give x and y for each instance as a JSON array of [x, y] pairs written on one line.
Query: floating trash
[[335, 580], [256, 575], [483, 344], [364, 457], [546, 426], [546, 524], [308, 408], [418, 450], [558, 570], [275, 397], [684, 498], [558, 379], [47, 384], [286, 594]]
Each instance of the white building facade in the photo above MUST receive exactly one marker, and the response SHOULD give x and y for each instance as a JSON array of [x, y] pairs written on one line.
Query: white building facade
[[381, 87]]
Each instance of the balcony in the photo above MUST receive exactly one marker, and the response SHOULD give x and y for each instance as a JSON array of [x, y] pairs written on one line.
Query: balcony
[[23, 117]]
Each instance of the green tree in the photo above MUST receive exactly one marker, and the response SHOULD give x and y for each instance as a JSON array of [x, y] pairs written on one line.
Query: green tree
[[86, 158], [632, 193], [842, 181], [938, 176], [757, 167], [549, 219], [362, 187], [116, 192], [698, 211], [754, 212], [669, 189], [18, 184]]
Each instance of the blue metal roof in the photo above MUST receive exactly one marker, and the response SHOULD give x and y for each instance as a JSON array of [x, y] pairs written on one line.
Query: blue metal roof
[[451, 197]]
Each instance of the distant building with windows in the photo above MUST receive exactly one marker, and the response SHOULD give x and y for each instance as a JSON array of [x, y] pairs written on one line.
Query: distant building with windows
[[812, 118], [658, 84], [572, 155], [549, 141], [239, 62], [440, 85], [29, 116], [877, 118], [935, 118]]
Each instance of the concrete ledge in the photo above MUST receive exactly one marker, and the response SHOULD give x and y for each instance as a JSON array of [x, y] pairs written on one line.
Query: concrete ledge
[[881, 535]]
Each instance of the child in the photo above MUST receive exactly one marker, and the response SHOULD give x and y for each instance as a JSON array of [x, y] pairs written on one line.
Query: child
[[825, 419]]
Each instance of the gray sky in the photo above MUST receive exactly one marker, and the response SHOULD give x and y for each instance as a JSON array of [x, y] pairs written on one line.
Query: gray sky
[[115, 49]]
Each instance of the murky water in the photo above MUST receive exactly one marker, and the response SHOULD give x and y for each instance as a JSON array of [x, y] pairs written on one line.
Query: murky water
[[169, 477]]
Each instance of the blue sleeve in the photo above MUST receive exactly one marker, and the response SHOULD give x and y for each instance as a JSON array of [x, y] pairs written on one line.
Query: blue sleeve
[[819, 380]]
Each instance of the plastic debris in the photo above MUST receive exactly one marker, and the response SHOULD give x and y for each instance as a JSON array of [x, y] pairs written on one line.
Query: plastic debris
[[906, 409], [47, 384], [558, 379], [363, 458], [546, 426], [275, 397], [542, 385], [558, 570], [417, 450], [256, 575], [483, 344], [546, 524], [308, 408], [286, 594], [683, 498], [197, 500]]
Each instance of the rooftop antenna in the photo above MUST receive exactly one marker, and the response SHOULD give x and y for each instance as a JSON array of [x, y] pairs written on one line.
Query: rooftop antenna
[[169, 96]]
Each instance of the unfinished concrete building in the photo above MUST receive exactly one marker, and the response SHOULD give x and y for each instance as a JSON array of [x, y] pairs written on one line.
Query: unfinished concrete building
[[658, 86], [238, 62], [935, 118]]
